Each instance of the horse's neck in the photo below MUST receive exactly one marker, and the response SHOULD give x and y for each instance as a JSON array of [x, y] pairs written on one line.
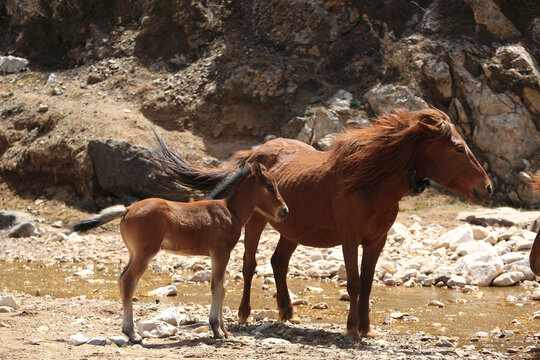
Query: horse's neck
[[240, 203]]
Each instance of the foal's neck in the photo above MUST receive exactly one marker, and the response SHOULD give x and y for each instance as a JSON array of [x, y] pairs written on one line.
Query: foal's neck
[[240, 203]]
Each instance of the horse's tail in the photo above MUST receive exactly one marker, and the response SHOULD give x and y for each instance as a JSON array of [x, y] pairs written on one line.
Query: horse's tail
[[106, 215], [536, 183], [195, 177]]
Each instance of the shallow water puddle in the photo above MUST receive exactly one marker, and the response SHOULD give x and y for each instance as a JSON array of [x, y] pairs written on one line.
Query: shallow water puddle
[[463, 315]]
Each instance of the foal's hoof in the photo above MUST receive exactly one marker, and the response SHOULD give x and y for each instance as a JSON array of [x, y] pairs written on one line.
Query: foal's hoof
[[136, 339], [352, 336], [369, 334], [243, 320], [295, 320], [221, 335]]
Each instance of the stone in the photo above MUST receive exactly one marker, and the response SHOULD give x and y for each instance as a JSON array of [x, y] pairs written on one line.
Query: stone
[[511, 257], [319, 306], [265, 314], [78, 339], [443, 273], [275, 341], [455, 237], [10, 302], [341, 100], [156, 329], [508, 279], [43, 108], [443, 342], [456, 281], [74, 238], [489, 16], [169, 290], [344, 296], [436, 303], [472, 247], [118, 340], [51, 80], [342, 273], [480, 232], [481, 267], [398, 229], [503, 216], [98, 341], [386, 98], [12, 64], [437, 74], [201, 276], [7, 309], [122, 168], [25, 229]]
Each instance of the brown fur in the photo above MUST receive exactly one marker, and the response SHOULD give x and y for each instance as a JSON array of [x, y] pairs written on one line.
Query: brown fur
[[534, 256]]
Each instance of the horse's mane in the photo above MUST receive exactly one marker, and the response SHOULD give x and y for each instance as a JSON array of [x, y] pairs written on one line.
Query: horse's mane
[[224, 187], [366, 156]]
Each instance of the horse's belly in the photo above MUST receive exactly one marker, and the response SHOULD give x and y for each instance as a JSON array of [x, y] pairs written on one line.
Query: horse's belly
[[320, 237], [179, 248]]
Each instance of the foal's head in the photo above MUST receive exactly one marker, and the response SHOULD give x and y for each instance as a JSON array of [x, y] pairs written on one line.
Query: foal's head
[[444, 156], [267, 198]]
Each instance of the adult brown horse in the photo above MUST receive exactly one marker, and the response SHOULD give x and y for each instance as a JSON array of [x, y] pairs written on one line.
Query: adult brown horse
[[534, 257], [347, 196], [210, 227]]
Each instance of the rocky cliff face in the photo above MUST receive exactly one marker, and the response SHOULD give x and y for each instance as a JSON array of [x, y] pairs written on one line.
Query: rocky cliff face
[[307, 69]]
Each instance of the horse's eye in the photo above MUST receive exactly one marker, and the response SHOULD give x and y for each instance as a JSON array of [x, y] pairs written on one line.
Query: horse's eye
[[270, 189], [460, 149]]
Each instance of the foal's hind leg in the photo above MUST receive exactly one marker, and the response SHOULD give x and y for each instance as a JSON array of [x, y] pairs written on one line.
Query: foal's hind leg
[[280, 265], [220, 259], [128, 282], [253, 230]]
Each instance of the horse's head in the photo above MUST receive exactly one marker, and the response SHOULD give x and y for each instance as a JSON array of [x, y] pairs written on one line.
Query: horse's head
[[268, 200], [443, 156]]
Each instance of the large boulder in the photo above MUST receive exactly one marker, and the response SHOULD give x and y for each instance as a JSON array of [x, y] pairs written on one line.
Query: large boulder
[[12, 64], [489, 17], [481, 267], [122, 168], [385, 98]]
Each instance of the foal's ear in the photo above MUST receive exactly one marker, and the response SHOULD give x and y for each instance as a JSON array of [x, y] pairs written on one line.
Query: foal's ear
[[256, 168]]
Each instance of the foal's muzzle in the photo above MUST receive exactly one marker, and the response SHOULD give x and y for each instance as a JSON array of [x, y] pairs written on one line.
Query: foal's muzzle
[[282, 213]]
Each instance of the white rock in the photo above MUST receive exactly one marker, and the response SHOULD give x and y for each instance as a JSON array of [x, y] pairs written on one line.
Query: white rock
[[78, 339], [202, 275], [398, 229], [74, 238], [406, 274], [84, 273], [482, 268], [51, 80], [429, 265], [492, 238], [341, 100], [473, 247], [414, 228], [456, 281], [275, 341], [528, 235], [10, 302], [385, 98], [172, 315], [455, 237], [523, 244], [11, 64], [480, 232], [508, 279], [342, 273], [265, 314], [169, 290], [98, 340], [443, 273], [511, 257], [525, 270], [156, 328]]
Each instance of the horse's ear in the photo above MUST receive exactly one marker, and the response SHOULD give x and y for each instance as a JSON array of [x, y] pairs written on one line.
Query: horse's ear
[[256, 168], [429, 124]]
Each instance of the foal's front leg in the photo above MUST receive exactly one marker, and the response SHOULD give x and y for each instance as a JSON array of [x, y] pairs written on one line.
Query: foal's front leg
[[220, 259]]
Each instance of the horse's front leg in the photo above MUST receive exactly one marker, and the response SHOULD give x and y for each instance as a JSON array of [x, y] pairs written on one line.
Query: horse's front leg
[[220, 259], [370, 255], [350, 255], [280, 265]]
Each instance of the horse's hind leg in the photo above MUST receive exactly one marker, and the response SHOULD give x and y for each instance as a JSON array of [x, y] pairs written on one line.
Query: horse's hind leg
[[220, 259], [128, 282], [280, 265], [253, 231]]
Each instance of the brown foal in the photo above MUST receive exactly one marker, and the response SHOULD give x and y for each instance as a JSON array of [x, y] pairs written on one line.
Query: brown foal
[[347, 196], [209, 227]]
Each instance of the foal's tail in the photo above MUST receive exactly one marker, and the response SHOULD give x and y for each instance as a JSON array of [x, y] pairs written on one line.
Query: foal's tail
[[194, 177], [106, 215]]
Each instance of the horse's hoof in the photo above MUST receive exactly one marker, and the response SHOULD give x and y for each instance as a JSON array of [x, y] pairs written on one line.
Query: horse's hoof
[[352, 336], [137, 339], [369, 334], [243, 320], [295, 320]]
